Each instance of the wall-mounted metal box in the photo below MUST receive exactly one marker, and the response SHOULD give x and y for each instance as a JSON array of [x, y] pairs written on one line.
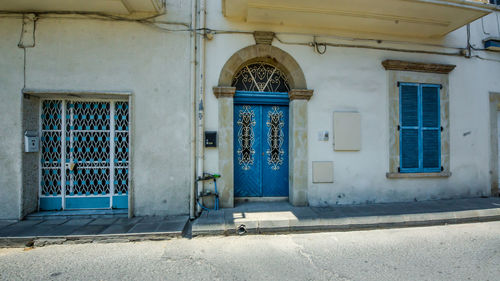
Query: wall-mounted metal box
[[322, 171], [211, 139], [31, 141]]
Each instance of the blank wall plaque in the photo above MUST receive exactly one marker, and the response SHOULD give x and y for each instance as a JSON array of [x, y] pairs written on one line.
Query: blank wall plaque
[[322, 171], [347, 131]]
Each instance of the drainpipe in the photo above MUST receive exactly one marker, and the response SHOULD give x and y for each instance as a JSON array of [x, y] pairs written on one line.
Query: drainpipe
[[192, 195], [201, 102]]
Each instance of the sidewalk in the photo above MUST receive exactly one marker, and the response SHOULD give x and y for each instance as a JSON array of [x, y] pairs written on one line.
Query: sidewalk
[[282, 217], [265, 217], [40, 230]]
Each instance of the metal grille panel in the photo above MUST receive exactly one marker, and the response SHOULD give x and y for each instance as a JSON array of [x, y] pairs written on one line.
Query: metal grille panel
[[88, 148], [261, 77], [121, 149], [275, 138], [51, 182], [121, 116], [121, 181], [246, 124], [87, 181], [50, 143], [88, 116], [95, 148], [51, 148], [51, 115]]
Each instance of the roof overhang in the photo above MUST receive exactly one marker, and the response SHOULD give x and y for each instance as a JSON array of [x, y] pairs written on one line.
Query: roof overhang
[[407, 18], [123, 7]]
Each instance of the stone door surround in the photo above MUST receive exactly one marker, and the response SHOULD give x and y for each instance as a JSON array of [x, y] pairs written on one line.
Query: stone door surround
[[299, 95]]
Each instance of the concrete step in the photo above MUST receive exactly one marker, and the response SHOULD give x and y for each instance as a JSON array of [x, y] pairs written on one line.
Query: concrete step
[[77, 214]]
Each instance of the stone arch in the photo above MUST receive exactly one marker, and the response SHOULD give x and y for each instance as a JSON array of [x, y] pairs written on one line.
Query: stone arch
[[299, 96], [265, 53]]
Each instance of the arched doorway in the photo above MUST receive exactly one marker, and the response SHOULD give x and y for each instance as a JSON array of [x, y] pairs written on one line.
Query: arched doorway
[[260, 131], [297, 97]]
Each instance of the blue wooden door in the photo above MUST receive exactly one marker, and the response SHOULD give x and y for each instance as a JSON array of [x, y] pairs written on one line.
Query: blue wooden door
[[275, 148], [260, 150]]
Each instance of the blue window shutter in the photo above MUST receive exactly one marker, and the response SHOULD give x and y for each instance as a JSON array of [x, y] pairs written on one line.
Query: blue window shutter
[[409, 133], [420, 129], [431, 146], [431, 129], [409, 150], [430, 106], [409, 105]]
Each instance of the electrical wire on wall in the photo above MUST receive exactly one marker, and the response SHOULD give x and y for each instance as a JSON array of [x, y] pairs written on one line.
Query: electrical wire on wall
[[149, 20], [469, 46], [27, 38], [318, 47]]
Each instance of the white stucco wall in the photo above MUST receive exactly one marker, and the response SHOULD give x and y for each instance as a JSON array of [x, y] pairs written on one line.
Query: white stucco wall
[[102, 55], [351, 79], [11, 81], [96, 55]]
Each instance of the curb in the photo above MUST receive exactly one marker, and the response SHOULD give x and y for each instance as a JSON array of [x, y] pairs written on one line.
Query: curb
[[346, 223], [40, 241]]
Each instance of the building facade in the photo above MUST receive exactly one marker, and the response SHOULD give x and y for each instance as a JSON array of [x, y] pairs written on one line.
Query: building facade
[[318, 103]]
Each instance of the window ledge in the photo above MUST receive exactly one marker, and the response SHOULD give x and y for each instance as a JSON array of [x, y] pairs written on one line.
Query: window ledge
[[417, 175]]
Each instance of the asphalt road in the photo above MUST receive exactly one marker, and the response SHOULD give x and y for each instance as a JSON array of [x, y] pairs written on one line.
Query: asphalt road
[[453, 252]]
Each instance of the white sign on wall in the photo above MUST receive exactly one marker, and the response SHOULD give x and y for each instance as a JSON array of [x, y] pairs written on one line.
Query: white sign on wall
[[347, 131]]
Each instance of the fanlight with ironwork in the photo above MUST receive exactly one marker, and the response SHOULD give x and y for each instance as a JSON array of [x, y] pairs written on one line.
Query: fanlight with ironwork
[[261, 77]]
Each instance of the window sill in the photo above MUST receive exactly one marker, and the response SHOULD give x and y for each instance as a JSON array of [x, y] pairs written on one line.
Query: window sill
[[417, 175]]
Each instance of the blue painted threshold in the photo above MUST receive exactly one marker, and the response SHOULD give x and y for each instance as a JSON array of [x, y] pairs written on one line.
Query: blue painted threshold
[[55, 203], [87, 202], [120, 202], [50, 203], [78, 214]]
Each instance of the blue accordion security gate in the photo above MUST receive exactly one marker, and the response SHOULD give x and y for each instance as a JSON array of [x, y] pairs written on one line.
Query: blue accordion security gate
[[84, 155]]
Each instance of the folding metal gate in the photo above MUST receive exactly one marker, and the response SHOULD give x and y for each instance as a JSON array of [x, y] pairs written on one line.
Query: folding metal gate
[[84, 159]]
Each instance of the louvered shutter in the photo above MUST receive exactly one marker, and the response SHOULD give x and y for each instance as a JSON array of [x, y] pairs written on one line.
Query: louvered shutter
[[409, 131], [431, 129]]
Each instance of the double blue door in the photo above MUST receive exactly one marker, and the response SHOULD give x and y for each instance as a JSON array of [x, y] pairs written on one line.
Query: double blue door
[[260, 150]]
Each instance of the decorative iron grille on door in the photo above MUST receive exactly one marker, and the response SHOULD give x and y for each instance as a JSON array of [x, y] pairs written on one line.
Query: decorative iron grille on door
[[85, 155]]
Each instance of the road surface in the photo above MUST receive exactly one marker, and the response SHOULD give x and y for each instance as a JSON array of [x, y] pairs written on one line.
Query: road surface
[[451, 252]]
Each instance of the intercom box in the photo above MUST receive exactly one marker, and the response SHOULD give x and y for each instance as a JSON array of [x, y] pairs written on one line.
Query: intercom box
[[210, 139], [31, 141]]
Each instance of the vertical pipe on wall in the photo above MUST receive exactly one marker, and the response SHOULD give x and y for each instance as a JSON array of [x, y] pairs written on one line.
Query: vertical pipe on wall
[[201, 100], [131, 129], [192, 198]]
